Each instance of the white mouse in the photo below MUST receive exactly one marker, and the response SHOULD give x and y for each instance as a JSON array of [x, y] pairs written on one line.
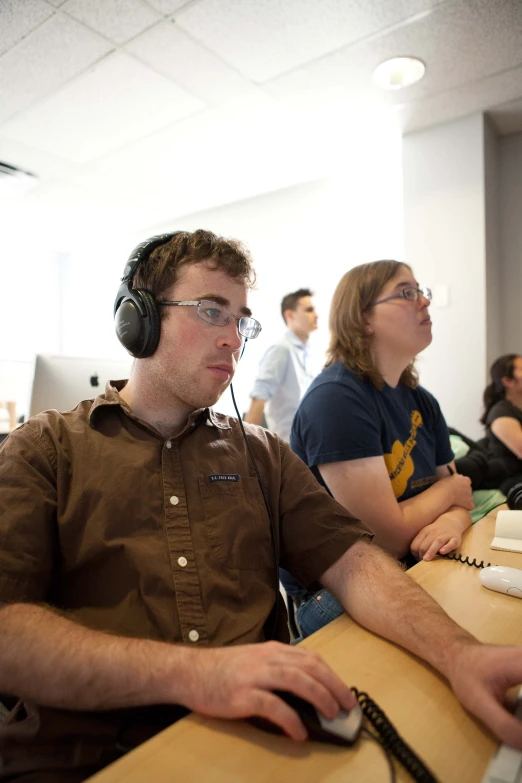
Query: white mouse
[[502, 579]]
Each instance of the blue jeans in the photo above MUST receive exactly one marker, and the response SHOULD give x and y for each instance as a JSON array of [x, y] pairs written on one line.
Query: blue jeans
[[317, 611]]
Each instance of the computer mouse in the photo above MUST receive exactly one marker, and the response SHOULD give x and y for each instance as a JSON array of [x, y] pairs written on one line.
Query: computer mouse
[[341, 730], [502, 579]]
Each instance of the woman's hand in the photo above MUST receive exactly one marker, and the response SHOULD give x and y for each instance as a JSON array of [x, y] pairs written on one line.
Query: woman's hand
[[444, 535], [459, 488]]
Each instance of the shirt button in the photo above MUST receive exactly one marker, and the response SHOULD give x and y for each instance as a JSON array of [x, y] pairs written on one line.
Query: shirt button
[[193, 635], [174, 500], [168, 444], [182, 561]]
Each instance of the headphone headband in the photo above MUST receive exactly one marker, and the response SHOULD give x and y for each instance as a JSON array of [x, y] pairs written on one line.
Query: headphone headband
[[143, 251]]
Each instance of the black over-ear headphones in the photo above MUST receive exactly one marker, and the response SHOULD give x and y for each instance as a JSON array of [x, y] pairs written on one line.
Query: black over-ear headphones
[[136, 314]]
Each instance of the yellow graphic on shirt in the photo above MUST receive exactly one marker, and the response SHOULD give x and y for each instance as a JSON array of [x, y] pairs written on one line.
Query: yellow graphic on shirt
[[399, 463]]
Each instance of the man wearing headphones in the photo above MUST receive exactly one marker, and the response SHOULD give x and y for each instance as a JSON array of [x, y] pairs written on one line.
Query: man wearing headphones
[[138, 561]]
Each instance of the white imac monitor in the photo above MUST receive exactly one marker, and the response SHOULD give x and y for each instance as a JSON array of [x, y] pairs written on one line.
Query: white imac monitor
[[61, 382]]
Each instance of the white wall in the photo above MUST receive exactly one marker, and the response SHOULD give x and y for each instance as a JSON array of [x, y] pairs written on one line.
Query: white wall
[[29, 311], [54, 302], [91, 275], [445, 241], [60, 301], [494, 304], [305, 235], [29, 275], [510, 230]]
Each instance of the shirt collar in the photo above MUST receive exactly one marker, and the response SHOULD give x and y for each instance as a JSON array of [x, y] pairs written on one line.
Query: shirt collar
[[294, 339], [112, 398]]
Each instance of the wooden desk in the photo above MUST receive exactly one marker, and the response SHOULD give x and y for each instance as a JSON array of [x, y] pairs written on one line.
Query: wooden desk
[[416, 699]]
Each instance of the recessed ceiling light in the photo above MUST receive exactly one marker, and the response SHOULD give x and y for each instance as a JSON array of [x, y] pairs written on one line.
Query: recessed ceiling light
[[398, 72]]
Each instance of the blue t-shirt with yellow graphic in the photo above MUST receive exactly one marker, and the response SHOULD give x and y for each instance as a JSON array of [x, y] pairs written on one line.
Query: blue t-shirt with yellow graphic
[[344, 417]]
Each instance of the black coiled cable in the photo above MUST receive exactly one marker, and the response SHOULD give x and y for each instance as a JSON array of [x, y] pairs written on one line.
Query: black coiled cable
[[466, 560], [391, 739]]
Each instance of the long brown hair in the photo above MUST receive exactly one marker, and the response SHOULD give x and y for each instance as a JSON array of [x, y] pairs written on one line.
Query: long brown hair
[[503, 367], [350, 342]]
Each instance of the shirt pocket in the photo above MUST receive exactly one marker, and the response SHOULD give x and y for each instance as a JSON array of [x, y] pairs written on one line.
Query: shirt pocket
[[237, 524]]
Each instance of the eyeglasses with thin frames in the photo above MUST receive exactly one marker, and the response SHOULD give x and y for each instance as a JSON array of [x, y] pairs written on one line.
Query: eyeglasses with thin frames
[[218, 315], [411, 294]]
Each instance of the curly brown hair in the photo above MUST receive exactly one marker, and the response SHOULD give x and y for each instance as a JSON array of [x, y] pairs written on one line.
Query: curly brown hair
[[160, 271], [350, 342]]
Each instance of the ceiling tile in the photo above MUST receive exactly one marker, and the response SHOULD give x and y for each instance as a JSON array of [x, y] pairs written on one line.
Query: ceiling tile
[[467, 99], [15, 25], [119, 20], [167, 6], [97, 111], [459, 43], [466, 41], [173, 53], [129, 119], [49, 56], [264, 38], [41, 164], [235, 152]]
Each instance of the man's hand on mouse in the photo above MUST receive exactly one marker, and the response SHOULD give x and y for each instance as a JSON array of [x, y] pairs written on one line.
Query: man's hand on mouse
[[238, 682], [480, 676]]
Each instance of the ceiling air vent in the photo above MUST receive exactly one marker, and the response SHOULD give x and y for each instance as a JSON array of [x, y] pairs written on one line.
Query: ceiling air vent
[[15, 181]]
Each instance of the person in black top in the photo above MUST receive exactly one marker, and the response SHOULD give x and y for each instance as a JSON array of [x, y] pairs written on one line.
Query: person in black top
[[503, 420]]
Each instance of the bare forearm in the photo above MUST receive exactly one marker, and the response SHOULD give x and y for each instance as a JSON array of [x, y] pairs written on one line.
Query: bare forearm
[[417, 512], [380, 596], [53, 661], [255, 412], [459, 515], [509, 431], [424, 508]]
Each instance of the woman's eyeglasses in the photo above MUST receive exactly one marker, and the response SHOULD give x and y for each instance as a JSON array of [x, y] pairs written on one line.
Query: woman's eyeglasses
[[411, 294], [217, 315]]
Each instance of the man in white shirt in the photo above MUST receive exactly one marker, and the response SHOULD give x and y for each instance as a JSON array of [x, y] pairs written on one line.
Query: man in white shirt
[[284, 373]]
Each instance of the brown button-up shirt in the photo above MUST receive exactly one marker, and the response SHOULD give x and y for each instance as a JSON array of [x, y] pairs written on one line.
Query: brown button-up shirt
[[103, 518]]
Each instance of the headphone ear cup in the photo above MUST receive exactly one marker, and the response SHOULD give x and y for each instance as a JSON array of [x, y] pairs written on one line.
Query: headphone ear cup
[[138, 324], [127, 322], [152, 325], [136, 314]]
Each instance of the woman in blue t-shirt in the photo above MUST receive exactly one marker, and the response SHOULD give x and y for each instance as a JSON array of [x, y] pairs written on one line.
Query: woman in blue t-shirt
[[371, 435]]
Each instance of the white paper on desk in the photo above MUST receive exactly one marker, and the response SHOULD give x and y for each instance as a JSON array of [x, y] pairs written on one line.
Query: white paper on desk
[[508, 531]]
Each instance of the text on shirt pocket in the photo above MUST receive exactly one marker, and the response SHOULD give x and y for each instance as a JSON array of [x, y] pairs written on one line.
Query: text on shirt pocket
[[237, 524]]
